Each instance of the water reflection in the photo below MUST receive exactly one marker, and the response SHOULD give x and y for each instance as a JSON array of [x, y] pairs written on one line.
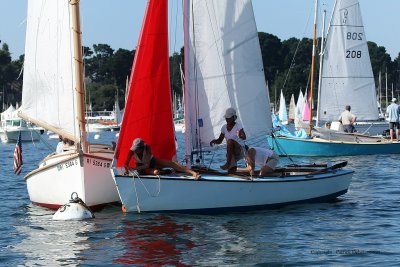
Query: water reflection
[[45, 242], [154, 241]]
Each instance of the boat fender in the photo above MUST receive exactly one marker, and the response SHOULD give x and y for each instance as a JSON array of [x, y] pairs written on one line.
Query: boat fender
[[96, 136], [76, 209]]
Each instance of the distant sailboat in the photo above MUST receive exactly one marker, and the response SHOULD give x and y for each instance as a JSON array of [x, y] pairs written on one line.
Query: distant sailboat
[[283, 117], [347, 79], [292, 110]]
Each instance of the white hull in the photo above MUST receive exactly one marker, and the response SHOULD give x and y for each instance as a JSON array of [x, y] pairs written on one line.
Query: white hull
[[98, 127], [214, 193], [59, 175], [27, 134]]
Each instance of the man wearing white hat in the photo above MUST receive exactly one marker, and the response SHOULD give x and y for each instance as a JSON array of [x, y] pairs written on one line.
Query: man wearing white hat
[[234, 134], [393, 112]]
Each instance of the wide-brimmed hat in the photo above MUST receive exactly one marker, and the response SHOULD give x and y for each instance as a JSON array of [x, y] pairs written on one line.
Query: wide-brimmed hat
[[394, 100], [137, 144], [229, 113]]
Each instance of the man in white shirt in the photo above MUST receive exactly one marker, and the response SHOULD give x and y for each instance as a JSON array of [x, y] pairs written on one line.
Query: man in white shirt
[[393, 112], [348, 119], [265, 158], [234, 134]]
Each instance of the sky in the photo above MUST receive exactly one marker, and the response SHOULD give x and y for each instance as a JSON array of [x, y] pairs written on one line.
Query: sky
[[118, 22]]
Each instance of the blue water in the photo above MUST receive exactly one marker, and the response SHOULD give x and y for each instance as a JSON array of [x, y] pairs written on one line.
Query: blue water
[[362, 228]]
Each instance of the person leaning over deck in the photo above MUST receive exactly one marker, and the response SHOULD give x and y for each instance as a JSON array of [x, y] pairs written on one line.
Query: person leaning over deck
[[146, 163], [393, 111], [265, 158], [234, 134], [348, 119]]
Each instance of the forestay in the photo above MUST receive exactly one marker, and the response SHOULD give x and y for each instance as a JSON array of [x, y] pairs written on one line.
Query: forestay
[[223, 69], [48, 86], [347, 77]]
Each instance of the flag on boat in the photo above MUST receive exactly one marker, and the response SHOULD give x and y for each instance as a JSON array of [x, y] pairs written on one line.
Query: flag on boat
[[18, 156]]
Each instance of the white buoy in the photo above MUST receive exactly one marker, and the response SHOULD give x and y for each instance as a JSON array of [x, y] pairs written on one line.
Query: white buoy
[[76, 209], [117, 135], [96, 136]]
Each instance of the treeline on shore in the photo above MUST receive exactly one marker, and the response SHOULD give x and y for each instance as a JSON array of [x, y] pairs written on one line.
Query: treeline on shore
[[287, 66]]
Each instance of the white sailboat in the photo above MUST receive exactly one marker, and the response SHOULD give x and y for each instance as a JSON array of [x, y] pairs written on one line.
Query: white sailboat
[[283, 117], [221, 44], [52, 98], [347, 79], [292, 109]]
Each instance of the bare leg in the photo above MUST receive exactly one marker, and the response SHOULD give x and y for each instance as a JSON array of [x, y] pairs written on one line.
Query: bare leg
[[397, 135], [176, 166], [265, 171], [391, 134], [229, 154]]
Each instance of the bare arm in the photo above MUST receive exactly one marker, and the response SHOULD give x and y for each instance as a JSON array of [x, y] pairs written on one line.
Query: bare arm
[[242, 134], [218, 141]]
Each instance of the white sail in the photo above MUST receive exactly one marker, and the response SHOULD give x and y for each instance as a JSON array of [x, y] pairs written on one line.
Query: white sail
[[299, 106], [224, 69], [292, 108], [347, 77], [48, 86], [282, 108]]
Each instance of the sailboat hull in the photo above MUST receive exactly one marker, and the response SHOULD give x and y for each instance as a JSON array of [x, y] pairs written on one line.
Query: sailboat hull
[[216, 193], [58, 176], [317, 148]]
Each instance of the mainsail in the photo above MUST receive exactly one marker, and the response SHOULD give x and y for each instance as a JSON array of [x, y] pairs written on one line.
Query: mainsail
[[148, 109], [223, 68], [49, 72], [347, 77], [282, 108]]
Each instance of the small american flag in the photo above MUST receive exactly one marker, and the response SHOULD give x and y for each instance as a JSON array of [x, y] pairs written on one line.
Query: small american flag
[[18, 156]]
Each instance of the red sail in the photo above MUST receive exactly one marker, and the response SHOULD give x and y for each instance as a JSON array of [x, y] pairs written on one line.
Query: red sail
[[148, 109]]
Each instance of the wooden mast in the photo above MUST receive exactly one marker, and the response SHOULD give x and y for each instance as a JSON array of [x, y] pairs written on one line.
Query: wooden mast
[[79, 89], [312, 65]]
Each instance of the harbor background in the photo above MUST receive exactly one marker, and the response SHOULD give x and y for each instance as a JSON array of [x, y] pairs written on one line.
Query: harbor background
[[360, 228]]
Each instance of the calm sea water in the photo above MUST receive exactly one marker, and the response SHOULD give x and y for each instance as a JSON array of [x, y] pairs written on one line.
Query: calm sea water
[[361, 228]]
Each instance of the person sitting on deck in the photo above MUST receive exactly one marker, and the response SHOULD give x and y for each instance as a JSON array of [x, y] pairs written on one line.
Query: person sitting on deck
[[60, 145], [146, 163], [234, 134], [265, 158]]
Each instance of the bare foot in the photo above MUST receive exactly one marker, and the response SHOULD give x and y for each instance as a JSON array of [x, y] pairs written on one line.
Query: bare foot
[[196, 176]]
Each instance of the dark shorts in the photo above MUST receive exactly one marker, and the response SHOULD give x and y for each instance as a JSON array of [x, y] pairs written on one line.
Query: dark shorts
[[152, 162], [393, 125], [349, 128]]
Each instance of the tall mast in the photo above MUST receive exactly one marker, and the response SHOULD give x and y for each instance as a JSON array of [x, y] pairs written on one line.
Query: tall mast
[[312, 64], [79, 91], [386, 88], [321, 58]]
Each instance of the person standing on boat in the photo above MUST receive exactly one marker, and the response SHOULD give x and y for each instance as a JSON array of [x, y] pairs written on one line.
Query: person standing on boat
[[265, 158], [146, 163], [347, 119], [234, 134], [393, 111]]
